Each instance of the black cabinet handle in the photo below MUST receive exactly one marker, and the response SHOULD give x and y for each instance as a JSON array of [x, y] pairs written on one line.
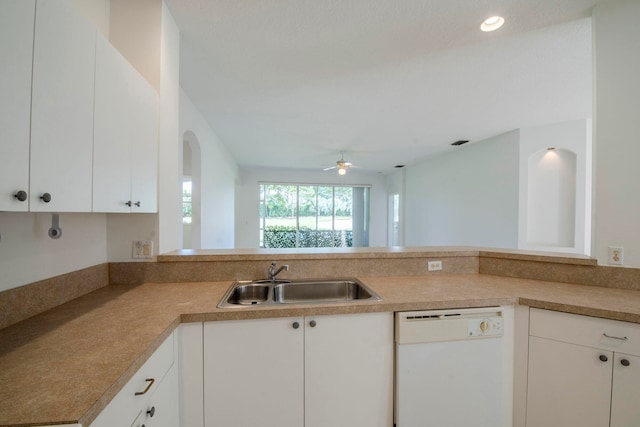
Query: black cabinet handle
[[137, 203], [296, 325], [151, 412], [625, 362], [313, 323], [46, 197], [128, 203], [603, 358], [21, 196]]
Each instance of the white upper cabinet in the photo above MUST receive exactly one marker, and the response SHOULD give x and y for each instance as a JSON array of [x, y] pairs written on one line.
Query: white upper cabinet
[[125, 155], [16, 51], [62, 109], [78, 124]]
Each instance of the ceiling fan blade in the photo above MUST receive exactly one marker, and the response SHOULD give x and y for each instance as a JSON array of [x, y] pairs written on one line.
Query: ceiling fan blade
[[328, 169]]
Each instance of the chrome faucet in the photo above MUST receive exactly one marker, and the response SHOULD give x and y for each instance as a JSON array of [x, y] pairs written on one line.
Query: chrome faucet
[[273, 272]]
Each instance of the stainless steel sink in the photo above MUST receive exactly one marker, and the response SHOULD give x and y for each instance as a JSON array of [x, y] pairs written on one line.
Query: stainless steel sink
[[249, 294], [264, 292], [305, 292]]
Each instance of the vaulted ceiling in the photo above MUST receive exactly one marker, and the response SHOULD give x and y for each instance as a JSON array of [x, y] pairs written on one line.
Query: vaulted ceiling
[[292, 83]]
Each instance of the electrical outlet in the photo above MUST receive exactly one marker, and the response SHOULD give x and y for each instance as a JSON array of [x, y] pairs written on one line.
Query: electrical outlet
[[143, 249], [434, 265], [616, 255]]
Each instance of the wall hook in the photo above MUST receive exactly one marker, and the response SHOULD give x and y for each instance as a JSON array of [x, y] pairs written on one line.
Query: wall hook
[[55, 231]]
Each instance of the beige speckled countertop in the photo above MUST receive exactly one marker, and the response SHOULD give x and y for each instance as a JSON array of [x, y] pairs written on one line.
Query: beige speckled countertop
[[65, 365]]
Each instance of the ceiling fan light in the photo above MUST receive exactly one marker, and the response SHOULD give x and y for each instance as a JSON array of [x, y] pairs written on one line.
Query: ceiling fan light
[[342, 171]]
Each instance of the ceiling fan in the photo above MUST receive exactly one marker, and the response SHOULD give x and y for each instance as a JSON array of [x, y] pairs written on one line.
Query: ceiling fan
[[342, 165]]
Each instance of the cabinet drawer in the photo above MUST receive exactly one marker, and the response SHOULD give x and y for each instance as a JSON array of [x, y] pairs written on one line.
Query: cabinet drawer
[[126, 405], [588, 331]]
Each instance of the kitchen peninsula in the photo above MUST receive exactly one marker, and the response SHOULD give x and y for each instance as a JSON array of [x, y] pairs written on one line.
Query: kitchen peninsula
[[66, 364]]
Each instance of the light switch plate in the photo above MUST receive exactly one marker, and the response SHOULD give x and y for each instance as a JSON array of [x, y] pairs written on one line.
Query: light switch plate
[[142, 249]]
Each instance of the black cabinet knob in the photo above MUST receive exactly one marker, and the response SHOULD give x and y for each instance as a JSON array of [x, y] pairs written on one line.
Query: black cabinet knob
[[151, 412], [603, 358], [128, 203], [21, 195], [313, 323], [46, 197], [296, 325], [625, 362], [137, 203]]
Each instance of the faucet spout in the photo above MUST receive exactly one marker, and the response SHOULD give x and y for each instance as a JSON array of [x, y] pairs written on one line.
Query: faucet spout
[[273, 272]]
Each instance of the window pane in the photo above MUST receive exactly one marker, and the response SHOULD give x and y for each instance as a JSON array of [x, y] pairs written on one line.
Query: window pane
[[308, 216], [280, 220], [343, 216], [187, 203]]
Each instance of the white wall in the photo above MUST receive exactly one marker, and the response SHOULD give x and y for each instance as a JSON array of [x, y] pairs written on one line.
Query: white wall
[[396, 185], [27, 254], [617, 129], [135, 32], [96, 11], [248, 200], [170, 141], [218, 175], [574, 136], [468, 196]]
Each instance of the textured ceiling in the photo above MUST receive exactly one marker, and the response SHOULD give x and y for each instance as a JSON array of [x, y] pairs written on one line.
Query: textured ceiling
[[292, 83]]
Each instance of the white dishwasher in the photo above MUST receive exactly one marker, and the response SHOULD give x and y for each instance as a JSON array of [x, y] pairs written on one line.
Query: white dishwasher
[[454, 368]]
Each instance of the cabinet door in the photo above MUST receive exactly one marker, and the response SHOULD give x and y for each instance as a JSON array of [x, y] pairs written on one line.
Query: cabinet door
[[112, 136], [162, 409], [125, 153], [144, 148], [62, 108], [568, 385], [253, 373], [191, 376], [16, 52], [349, 370], [625, 410]]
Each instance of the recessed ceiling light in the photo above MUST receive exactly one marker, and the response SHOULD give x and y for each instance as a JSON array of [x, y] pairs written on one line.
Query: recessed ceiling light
[[492, 24]]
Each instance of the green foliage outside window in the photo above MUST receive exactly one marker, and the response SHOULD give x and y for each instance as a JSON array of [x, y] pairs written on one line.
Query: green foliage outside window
[[279, 236]]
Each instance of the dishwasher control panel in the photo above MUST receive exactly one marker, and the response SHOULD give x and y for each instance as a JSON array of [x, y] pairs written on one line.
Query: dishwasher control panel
[[482, 327], [413, 327]]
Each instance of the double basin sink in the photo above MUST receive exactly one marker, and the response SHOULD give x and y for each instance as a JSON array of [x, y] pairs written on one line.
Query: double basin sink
[[279, 292]]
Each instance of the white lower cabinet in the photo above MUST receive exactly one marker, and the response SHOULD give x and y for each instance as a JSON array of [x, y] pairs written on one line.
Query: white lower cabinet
[[150, 398], [316, 371], [582, 371]]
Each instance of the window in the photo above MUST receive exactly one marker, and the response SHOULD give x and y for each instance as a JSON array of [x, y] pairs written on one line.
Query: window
[[187, 202], [313, 216]]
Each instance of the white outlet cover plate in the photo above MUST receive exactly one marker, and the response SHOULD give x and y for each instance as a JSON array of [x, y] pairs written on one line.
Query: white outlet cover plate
[[434, 265], [613, 259]]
